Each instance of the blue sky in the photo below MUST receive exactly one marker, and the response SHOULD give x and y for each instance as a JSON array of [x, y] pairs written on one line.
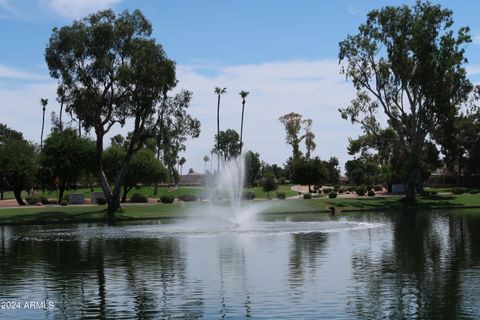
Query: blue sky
[[283, 52]]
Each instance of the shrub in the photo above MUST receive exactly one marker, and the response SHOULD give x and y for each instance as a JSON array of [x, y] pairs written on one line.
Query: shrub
[[371, 193], [459, 190], [187, 197], [64, 203], [35, 199], [167, 199], [361, 190], [425, 193], [281, 195], [101, 201], [248, 195], [281, 180], [351, 189], [473, 191], [138, 198], [341, 190], [32, 200], [327, 190], [316, 187], [378, 188], [307, 196], [433, 193], [332, 195]]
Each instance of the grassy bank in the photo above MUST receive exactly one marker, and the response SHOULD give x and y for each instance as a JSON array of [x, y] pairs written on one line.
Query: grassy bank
[[57, 214], [149, 192]]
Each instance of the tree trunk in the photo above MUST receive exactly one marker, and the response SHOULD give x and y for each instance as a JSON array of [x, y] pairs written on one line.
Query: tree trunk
[[114, 201], [459, 183], [18, 196], [61, 111], [241, 127], [61, 191], [125, 193], [1, 194], [43, 125], [410, 191], [218, 132]]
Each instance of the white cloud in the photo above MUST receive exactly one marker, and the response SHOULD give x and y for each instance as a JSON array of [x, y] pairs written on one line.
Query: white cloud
[[473, 69], [12, 73], [79, 8], [314, 89], [476, 39]]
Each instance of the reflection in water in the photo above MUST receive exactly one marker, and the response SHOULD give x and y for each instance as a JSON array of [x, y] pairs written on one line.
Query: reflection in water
[[420, 272], [424, 265]]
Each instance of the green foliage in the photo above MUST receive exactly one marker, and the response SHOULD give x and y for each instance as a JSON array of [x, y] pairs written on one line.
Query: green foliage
[[269, 184], [408, 63], [308, 171], [138, 198], [307, 196], [281, 196], [65, 156], [377, 188], [37, 198], [101, 201], [252, 167], [293, 123], [361, 190], [474, 191], [371, 193], [248, 195], [327, 190], [332, 195], [227, 143], [460, 190], [17, 166], [111, 70], [9, 134], [175, 126], [167, 199], [144, 168], [64, 203], [187, 197]]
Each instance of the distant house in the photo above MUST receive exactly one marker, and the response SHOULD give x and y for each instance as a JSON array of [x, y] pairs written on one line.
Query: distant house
[[343, 180], [191, 179]]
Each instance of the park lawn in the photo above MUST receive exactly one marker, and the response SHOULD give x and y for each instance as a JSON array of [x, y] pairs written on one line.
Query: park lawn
[[145, 191], [380, 203], [58, 214], [149, 192], [72, 214], [285, 188]]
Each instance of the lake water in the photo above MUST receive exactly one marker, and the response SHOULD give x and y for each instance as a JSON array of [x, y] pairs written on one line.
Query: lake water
[[298, 266]]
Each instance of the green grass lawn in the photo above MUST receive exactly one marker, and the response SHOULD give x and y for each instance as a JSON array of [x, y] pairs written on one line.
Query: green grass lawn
[[144, 211], [149, 192], [285, 188]]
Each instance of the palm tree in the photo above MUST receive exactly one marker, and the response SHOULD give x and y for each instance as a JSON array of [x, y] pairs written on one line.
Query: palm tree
[[44, 103], [219, 91], [181, 162], [205, 159], [61, 99], [243, 95]]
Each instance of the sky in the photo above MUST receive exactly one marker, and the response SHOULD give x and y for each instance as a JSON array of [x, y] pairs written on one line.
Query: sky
[[285, 53]]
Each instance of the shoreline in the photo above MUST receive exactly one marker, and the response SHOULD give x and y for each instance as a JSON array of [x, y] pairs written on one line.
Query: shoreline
[[47, 215]]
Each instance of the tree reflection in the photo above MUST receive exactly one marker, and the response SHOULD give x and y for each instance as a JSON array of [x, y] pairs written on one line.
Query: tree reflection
[[420, 274], [304, 253], [100, 277]]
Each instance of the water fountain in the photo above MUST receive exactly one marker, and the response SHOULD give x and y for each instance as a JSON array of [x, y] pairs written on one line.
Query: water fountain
[[226, 193]]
